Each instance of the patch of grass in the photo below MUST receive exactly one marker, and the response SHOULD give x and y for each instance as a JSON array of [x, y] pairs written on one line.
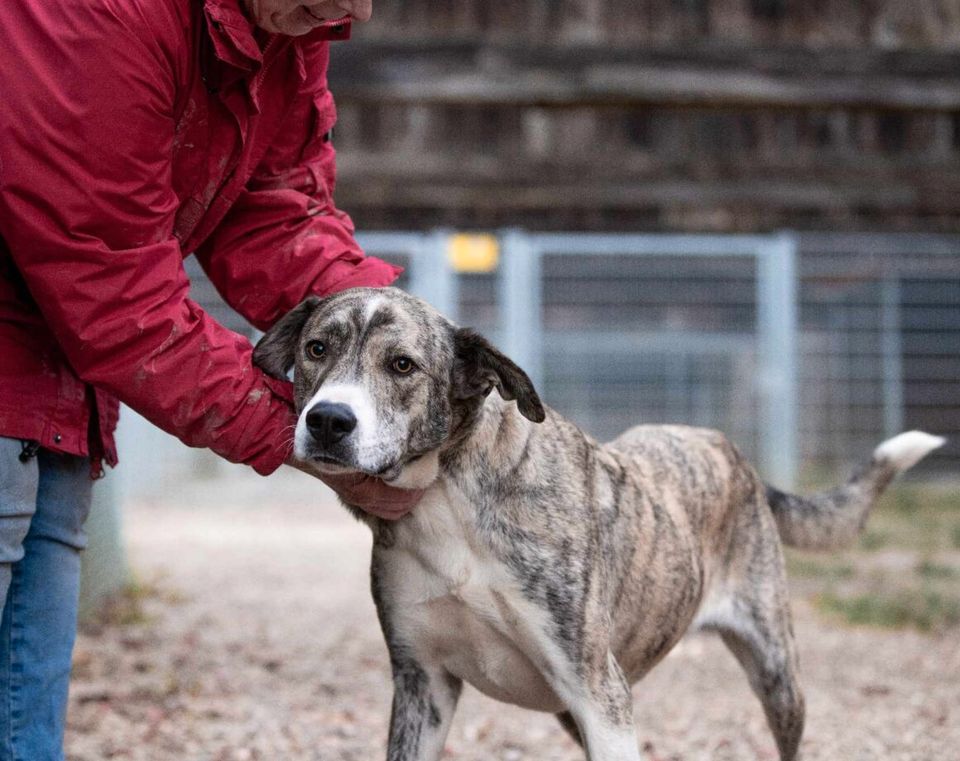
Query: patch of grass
[[873, 540], [930, 569], [128, 606], [904, 570], [926, 609], [917, 515], [939, 497], [907, 500], [920, 517], [800, 566]]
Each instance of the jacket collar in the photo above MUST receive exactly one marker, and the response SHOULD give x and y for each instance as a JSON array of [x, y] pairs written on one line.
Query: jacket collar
[[234, 36]]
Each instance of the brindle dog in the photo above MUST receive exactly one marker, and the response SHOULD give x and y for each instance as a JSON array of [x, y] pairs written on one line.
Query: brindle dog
[[544, 568]]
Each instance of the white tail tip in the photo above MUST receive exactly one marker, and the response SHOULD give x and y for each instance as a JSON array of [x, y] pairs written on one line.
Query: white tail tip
[[907, 449]]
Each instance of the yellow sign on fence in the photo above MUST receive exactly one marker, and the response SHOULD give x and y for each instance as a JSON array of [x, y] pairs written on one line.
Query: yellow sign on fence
[[474, 253]]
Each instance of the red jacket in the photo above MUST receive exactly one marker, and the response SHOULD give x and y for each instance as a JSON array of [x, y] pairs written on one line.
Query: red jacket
[[133, 133]]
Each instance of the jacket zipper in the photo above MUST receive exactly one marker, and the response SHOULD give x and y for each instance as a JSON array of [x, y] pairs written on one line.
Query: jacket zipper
[[262, 74]]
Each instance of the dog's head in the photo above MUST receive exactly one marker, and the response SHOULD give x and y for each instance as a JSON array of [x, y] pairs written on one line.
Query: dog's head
[[383, 381]]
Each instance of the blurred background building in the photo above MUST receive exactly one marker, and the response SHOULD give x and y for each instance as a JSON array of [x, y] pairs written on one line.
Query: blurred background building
[[723, 115]]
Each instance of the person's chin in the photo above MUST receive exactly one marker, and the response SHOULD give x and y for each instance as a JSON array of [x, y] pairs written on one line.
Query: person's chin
[[287, 30], [295, 24]]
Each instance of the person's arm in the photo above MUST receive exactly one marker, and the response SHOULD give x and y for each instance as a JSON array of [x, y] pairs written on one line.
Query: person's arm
[[86, 209], [284, 238]]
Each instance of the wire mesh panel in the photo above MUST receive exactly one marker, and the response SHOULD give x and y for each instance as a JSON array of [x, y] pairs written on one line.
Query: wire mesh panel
[[620, 330], [657, 339], [479, 307], [880, 345]]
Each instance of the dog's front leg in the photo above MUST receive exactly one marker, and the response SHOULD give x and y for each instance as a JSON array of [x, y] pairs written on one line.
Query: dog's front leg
[[603, 712], [424, 701]]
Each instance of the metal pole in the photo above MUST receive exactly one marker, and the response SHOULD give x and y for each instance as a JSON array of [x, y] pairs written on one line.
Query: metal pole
[[777, 337], [521, 298], [104, 569], [431, 276], [891, 340]]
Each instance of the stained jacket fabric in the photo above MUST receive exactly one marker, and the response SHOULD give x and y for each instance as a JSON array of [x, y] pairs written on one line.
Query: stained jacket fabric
[[134, 133]]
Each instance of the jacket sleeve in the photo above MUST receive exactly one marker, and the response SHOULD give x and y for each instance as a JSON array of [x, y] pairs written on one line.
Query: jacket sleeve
[[86, 209], [284, 239]]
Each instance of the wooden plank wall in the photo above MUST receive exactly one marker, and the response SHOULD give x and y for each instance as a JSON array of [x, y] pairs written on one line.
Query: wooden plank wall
[[883, 23], [727, 115]]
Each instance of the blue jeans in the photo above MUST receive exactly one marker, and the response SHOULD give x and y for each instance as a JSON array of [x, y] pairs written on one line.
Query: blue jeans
[[44, 502]]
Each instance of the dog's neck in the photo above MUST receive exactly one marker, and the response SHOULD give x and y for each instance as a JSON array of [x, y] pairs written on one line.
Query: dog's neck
[[495, 433]]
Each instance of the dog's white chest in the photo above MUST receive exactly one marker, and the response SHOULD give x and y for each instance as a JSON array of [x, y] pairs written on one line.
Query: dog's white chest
[[460, 609]]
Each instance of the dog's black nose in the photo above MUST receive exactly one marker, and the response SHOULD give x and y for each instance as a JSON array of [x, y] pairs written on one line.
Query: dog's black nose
[[328, 423]]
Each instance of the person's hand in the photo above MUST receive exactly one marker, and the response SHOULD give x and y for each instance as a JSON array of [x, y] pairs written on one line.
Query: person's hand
[[367, 493], [372, 495]]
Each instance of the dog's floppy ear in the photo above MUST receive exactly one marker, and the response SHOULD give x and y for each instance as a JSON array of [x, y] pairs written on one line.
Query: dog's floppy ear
[[277, 349], [479, 366]]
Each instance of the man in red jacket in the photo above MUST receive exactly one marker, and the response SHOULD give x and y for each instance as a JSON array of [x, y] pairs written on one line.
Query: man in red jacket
[[134, 133]]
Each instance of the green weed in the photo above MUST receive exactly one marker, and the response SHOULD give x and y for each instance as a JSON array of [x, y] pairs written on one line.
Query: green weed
[[926, 609], [806, 567], [918, 517], [874, 540], [128, 607], [931, 570]]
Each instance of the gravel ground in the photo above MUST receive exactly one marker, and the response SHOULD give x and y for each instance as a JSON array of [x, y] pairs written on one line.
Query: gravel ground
[[256, 639]]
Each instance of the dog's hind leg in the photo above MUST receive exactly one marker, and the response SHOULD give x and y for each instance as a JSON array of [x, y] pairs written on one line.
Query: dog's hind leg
[[423, 706], [771, 668], [754, 623]]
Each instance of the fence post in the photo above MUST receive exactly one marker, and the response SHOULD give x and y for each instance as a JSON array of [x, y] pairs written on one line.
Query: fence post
[[432, 277], [777, 293], [521, 298], [103, 570]]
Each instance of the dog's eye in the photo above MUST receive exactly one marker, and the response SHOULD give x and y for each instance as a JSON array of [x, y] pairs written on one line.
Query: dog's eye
[[315, 349], [403, 365]]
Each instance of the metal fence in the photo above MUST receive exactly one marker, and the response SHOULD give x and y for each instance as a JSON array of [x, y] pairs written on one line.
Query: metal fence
[[671, 328], [806, 349], [879, 343]]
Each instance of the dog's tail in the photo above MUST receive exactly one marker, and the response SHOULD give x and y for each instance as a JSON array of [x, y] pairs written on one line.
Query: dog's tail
[[833, 519]]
